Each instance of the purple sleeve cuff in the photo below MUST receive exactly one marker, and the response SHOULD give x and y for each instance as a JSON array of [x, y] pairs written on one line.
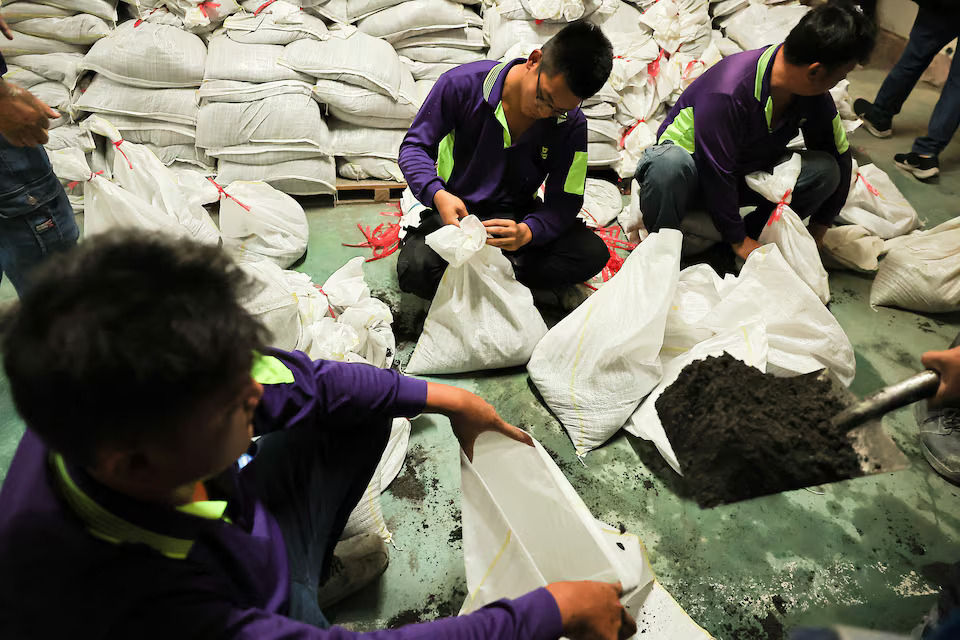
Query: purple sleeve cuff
[[411, 396], [537, 231], [543, 615], [430, 191]]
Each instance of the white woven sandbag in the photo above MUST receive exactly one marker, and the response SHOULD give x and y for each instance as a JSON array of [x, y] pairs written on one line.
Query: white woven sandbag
[[371, 320], [259, 222], [602, 202], [107, 97], [922, 272], [602, 130], [316, 176], [284, 119], [358, 59], [449, 55], [638, 103], [876, 204], [364, 107], [746, 342], [15, 12], [54, 94], [145, 130], [758, 25], [503, 33], [346, 286], [471, 38], [352, 140], [802, 333], [602, 154], [786, 229], [79, 29], [365, 168], [675, 22], [106, 9], [203, 16], [595, 365], [277, 23], [26, 45], [635, 52], [23, 78], [59, 67], [176, 154], [481, 317], [149, 55], [427, 70], [265, 154], [229, 60], [108, 206], [624, 19], [70, 136], [233, 91], [416, 17], [272, 299], [636, 139], [852, 247]]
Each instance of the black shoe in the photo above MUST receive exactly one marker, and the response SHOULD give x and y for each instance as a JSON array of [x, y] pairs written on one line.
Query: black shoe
[[940, 440], [923, 167], [876, 123]]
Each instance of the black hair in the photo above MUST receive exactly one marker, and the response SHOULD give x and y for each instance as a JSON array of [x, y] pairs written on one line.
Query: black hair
[[583, 54], [834, 33], [121, 337]]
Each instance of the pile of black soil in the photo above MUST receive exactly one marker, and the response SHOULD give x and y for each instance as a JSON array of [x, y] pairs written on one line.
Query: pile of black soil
[[739, 433]]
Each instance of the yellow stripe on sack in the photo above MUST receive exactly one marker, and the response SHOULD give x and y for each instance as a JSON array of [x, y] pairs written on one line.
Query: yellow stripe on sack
[[496, 559], [573, 380], [746, 339]]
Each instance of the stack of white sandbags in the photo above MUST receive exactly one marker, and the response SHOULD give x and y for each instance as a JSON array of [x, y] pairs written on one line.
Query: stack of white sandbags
[[197, 16], [49, 40], [146, 78], [756, 25], [369, 93], [258, 117]]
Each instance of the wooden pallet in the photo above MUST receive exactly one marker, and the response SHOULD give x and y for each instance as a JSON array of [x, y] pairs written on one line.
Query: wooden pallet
[[364, 191]]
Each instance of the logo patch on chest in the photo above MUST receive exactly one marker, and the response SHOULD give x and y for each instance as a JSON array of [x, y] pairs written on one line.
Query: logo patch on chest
[[543, 152]]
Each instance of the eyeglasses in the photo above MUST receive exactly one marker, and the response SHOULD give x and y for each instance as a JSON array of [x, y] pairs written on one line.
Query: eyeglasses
[[548, 103]]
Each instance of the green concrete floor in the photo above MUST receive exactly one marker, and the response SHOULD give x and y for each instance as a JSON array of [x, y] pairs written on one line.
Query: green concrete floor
[[855, 555]]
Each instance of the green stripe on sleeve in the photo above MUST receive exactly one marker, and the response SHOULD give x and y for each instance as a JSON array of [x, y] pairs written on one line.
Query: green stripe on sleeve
[[269, 370], [680, 131], [762, 64], [577, 176], [445, 157], [839, 135]]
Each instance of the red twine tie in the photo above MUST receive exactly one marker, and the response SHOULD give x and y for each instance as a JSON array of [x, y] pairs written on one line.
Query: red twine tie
[[263, 6], [611, 238], [653, 69], [384, 239], [203, 8], [329, 308], [872, 189], [73, 184], [117, 145], [623, 138], [689, 67], [779, 209], [227, 195], [140, 21]]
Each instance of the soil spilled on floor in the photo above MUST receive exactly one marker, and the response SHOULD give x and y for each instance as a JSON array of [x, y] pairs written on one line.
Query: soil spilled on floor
[[739, 433]]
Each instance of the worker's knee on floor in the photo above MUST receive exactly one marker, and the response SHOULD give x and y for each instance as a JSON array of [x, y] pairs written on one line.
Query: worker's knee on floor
[[595, 256], [820, 171], [665, 164], [417, 273]]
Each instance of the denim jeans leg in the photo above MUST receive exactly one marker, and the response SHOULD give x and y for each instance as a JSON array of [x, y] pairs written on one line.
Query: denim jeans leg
[[946, 115], [930, 34], [27, 239], [669, 186]]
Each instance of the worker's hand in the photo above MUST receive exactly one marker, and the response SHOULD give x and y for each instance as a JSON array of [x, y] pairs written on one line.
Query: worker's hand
[[470, 415], [947, 364], [817, 230], [450, 207], [5, 29], [507, 234], [592, 610], [24, 120], [745, 248]]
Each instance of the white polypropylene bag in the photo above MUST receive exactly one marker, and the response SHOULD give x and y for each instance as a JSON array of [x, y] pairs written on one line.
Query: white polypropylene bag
[[166, 105], [145, 130], [371, 319], [59, 67], [274, 299], [313, 176], [922, 272], [109, 206], [481, 317], [82, 29], [595, 365], [876, 204], [602, 203], [229, 60], [364, 107], [363, 168], [853, 247], [631, 217], [747, 343], [786, 229], [503, 33], [637, 138], [417, 17], [258, 221], [802, 333], [144, 54], [352, 140], [27, 45], [278, 22], [234, 91], [139, 171], [346, 287], [758, 25], [278, 120], [106, 9]]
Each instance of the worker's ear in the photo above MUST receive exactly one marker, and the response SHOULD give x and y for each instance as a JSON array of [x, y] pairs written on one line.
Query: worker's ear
[[535, 56], [816, 72]]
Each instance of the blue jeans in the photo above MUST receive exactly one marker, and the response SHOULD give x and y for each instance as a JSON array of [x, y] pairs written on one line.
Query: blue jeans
[[36, 218], [929, 35], [669, 188]]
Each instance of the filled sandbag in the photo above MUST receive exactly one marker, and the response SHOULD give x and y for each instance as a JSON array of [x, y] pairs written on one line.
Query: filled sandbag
[[284, 119], [58, 67], [27, 45], [256, 63], [417, 17], [80, 29], [105, 9], [259, 222], [353, 140], [107, 97], [364, 107], [314, 176]]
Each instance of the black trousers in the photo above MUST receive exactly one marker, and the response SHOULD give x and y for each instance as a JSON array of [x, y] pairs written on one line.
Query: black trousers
[[574, 257]]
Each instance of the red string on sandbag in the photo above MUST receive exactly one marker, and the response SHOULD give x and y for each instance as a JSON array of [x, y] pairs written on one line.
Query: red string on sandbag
[[611, 238], [73, 184], [778, 211], [689, 68], [653, 68], [872, 189], [263, 6], [623, 138], [140, 20], [203, 8], [117, 145], [329, 308], [384, 239], [227, 195]]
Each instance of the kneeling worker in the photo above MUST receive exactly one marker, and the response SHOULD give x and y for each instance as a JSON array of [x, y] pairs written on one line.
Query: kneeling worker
[[484, 141], [739, 116]]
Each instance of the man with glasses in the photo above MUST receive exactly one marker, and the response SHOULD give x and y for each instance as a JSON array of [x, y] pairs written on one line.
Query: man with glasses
[[486, 138]]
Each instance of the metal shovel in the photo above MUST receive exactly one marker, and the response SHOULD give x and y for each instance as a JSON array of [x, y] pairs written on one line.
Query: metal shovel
[[878, 452]]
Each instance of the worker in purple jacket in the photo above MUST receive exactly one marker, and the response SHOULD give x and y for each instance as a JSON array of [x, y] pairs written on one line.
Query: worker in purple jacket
[[137, 505], [484, 141], [739, 116]]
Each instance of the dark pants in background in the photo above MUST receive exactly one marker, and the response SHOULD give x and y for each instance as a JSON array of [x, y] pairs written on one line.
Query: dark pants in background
[[931, 33], [36, 218], [311, 479], [575, 257], [670, 188]]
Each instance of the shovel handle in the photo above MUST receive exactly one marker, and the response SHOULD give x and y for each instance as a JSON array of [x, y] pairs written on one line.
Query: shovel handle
[[917, 387]]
